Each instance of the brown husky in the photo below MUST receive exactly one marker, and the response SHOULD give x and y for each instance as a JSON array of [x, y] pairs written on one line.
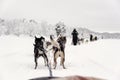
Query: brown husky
[[59, 49]]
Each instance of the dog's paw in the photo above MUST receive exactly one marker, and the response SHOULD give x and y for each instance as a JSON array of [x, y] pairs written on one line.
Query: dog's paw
[[64, 68], [54, 67]]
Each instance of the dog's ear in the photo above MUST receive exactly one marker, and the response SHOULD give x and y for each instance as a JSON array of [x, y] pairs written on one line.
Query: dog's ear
[[42, 37], [35, 37], [51, 37]]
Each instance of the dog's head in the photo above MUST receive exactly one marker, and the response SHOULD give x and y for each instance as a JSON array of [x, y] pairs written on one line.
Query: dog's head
[[39, 41]]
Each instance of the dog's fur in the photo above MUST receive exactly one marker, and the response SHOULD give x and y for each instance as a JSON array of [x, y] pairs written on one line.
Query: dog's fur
[[39, 50], [59, 49]]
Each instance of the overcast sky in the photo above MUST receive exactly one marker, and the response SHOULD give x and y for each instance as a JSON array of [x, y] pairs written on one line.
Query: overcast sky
[[97, 15]]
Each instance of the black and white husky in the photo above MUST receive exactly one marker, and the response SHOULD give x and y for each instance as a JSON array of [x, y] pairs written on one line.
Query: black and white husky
[[39, 50]]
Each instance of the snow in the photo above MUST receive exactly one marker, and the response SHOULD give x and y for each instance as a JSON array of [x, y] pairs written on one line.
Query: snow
[[96, 59]]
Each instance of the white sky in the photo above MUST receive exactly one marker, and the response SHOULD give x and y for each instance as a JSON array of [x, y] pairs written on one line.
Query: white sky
[[97, 15]]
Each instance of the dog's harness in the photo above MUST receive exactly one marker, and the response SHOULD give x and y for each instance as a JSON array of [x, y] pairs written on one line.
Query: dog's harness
[[41, 51], [55, 49]]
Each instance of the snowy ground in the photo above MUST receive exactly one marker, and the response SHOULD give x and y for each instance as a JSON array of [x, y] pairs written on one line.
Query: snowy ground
[[96, 59]]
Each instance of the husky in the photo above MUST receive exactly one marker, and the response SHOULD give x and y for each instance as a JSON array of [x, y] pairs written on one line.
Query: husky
[[39, 50], [58, 49]]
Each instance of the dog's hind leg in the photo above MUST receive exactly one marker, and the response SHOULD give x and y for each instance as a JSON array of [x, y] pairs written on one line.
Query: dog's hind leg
[[56, 55], [45, 62], [36, 63], [55, 63], [62, 60], [45, 59]]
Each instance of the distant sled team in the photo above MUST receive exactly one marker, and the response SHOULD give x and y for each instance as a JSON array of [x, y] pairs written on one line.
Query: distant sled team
[[42, 47], [76, 40]]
